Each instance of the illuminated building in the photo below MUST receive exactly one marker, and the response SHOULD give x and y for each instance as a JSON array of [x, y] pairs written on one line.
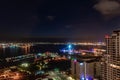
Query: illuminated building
[[111, 60], [85, 67]]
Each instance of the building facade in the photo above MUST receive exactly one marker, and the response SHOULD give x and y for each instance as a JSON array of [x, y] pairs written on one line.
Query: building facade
[[111, 60], [85, 71]]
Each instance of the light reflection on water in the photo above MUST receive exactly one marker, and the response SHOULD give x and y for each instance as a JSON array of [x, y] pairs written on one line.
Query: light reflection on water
[[13, 51], [9, 51]]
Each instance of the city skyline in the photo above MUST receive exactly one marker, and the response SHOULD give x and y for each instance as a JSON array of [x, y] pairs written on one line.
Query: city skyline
[[86, 20]]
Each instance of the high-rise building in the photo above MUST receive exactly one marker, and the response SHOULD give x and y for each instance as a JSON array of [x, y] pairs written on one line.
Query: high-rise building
[[111, 64], [85, 70]]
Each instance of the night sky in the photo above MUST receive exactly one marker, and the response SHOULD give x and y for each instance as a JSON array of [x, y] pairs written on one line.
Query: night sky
[[83, 19]]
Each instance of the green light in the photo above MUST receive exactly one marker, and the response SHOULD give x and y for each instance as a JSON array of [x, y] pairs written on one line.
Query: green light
[[56, 70], [25, 65]]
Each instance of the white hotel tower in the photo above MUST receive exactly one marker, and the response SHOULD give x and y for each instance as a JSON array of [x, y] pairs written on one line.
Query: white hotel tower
[[111, 64]]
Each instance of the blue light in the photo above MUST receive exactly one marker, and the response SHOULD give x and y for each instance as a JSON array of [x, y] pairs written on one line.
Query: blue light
[[64, 51], [69, 46], [87, 79], [82, 78], [81, 64], [39, 54], [12, 46]]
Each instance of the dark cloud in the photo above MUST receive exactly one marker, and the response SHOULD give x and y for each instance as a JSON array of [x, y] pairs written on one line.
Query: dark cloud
[[68, 18], [108, 7], [51, 18], [68, 26]]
